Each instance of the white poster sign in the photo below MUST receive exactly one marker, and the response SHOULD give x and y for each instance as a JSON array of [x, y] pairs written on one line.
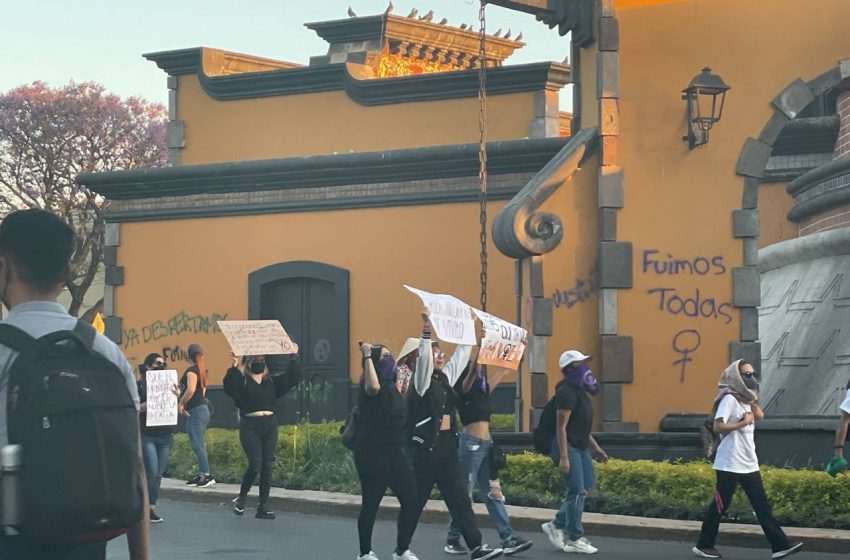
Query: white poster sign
[[450, 317], [503, 344], [255, 338], [162, 402]]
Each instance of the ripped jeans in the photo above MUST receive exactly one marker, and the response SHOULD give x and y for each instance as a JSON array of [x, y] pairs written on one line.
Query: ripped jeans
[[576, 484]]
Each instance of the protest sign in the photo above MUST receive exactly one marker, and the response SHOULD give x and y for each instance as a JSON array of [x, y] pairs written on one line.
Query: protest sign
[[162, 402], [450, 317], [254, 338], [503, 344]]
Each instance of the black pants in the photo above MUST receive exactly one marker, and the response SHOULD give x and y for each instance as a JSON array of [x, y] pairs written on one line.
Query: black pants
[[380, 468], [258, 435], [15, 548], [441, 467], [753, 487]]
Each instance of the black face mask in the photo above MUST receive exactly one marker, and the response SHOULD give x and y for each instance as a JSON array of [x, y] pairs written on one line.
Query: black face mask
[[258, 367], [751, 382], [157, 366]]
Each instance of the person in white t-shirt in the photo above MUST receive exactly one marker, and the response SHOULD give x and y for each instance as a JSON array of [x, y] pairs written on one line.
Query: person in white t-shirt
[[736, 461], [843, 423]]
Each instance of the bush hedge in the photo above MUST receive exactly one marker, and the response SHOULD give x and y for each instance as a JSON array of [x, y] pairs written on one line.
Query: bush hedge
[[311, 456]]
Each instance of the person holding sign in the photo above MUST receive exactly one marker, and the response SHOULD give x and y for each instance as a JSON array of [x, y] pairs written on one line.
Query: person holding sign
[[380, 451], [193, 404], [434, 435], [157, 441], [475, 450], [255, 391]]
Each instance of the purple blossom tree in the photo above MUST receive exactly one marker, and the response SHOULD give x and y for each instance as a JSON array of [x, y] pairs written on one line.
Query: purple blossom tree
[[49, 136]]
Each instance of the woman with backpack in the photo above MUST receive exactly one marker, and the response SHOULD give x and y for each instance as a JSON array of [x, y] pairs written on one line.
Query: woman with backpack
[[573, 449], [736, 410], [193, 405], [157, 441], [476, 454], [380, 451], [255, 390]]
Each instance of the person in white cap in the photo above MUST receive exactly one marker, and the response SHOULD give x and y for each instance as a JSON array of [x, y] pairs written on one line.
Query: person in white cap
[[573, 450]]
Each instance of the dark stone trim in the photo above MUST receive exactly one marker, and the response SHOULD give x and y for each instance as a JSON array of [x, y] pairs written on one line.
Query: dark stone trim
[[819, 203], [114, 276], [818, 175], [112, 329], [460, 160], [745, 223], [620, 427], [612, 402], [804, 135], [617, 359], [749, 351], [746, 286], [753, 158], [615, 264], [110, 256], [774, 128], [541, 316], [368, 92], [749, 327], [794, 98], [426, 197]]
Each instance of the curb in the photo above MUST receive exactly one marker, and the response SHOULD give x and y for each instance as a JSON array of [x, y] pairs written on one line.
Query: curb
[[524, 519]]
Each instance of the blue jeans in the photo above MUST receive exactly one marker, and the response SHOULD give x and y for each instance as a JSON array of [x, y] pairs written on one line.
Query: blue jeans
[[576, 484], [196, 428], [474, 456], [155, 451]]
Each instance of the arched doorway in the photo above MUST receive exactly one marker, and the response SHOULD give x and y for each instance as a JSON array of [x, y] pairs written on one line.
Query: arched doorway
[[311, 300]]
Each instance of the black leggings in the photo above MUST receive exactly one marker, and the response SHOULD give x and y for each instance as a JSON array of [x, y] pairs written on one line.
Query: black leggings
[[441, 467], [258, 435], [378, 469], [753, 487]]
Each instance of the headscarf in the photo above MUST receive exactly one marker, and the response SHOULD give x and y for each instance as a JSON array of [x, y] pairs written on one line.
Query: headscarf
[[732, 383], [581, 376]]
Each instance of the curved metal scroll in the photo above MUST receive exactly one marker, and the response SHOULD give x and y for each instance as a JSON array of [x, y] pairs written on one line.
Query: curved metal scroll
[[519, 229]]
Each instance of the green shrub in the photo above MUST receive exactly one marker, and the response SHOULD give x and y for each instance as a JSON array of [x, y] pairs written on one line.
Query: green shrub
[[503, 422], [311, 456]]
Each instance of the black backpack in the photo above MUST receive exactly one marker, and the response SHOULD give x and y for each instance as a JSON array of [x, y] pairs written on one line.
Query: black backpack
[[710, 438], [71, 411], [544, 433]]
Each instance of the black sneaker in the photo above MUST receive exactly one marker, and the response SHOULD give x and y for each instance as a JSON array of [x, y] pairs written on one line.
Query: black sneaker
[[205, 481], [454, 547], [515, 544], [263, 513], [194, 480], [484, 552], [154, 517], [239, 505]]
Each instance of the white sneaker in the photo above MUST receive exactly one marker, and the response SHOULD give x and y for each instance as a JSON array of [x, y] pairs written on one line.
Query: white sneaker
[[556, 536], [580, 546], [406, 555], [370, 556]]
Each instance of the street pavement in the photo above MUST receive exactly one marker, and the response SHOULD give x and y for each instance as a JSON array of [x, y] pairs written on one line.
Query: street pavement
[[194, 530]]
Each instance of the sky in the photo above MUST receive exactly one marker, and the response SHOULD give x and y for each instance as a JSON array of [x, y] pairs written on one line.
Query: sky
[[56, 41]]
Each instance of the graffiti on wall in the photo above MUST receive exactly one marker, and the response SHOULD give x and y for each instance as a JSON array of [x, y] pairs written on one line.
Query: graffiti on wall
[[581, 291], [179, 323], [692, 301]]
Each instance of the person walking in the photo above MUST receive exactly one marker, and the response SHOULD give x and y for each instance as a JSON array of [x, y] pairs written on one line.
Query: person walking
[[573, 450], [838, 463], [736, 463], [433, 436], [474, 452], [255, 391], [193, 405], [380, 452], [157, 441]]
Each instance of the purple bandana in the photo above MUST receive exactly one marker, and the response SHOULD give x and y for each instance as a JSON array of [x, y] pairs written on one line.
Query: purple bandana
[[581, 376]]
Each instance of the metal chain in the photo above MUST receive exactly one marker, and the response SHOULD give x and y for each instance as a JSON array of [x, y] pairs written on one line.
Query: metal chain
[[482, 148]]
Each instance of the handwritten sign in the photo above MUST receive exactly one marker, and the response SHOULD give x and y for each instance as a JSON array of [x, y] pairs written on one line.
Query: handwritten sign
[[254, 338], [503, 344], [162, 402], [450, 317]]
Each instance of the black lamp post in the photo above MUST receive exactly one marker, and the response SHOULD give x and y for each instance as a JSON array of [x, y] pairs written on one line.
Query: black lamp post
[[705, 96]]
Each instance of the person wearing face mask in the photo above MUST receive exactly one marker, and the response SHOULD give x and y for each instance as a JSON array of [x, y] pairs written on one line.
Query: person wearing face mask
[[157, 441], [255, 391], [433, 436], [380, 453], [573, 449], [736, 411]]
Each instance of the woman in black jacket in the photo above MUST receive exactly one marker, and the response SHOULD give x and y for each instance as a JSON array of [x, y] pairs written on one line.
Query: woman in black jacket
[[255, 391]]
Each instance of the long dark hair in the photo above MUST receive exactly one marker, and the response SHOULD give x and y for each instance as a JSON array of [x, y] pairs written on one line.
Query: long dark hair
[[149, 360]]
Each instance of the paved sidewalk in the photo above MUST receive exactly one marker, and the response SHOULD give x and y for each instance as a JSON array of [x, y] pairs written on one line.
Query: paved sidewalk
[[522, 518]]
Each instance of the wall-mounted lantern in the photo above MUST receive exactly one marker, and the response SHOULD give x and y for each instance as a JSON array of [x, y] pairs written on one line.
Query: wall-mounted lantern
[[705, 96]]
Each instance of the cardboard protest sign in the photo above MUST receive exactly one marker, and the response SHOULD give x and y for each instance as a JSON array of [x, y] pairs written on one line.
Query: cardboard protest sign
[[503, 344], [450, 317], [254, 338], [162, 402]]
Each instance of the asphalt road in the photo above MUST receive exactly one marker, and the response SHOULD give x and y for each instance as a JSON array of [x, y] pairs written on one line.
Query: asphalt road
[[193, 531]]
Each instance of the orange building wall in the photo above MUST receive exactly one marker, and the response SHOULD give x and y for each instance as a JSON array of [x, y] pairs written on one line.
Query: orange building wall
[[329, 122], [200, 267], [679, 202], [774, 205]]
